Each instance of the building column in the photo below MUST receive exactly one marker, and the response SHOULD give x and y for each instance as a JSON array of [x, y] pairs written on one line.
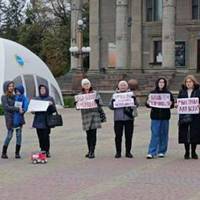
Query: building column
[[168, 34], [76, 14], [122, 33], [136, 34], [94, 35]]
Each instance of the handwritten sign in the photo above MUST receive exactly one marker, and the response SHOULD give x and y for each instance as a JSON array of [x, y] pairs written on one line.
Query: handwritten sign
[[123, 100], [188, 106], [38, 106], [86, 101], [160, 100]]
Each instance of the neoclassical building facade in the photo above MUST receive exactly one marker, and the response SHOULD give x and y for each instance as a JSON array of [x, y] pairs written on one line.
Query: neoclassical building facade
[[145, 35]]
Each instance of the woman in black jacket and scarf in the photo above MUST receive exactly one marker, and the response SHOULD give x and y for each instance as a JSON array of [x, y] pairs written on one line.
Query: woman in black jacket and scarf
[[40, 120], [159, 122], [189, 132]]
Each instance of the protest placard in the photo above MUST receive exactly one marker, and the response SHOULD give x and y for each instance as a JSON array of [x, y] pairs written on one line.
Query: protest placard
[[123, 100], [38, 106], [161, 100], [85, 101], [188, 105]]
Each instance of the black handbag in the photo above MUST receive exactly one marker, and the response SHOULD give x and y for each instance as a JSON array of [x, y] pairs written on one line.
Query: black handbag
[[102, 114], [54, 120], [129, 112], [185, 118]]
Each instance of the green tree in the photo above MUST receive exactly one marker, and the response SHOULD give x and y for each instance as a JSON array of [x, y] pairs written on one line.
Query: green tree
[[11, 18]]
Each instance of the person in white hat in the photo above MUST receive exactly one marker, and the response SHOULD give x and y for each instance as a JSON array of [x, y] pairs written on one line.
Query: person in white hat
[[123, 119], [91, 118]]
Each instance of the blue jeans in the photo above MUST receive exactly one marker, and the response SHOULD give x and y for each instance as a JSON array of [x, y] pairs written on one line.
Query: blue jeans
[[10, 135], [159, 137]]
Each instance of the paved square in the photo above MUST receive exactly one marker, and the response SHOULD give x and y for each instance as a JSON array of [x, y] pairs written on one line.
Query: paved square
[[68, 175]]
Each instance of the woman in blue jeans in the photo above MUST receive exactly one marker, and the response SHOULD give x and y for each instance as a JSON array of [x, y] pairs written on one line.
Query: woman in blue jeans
[[159, 122], [13, 115]]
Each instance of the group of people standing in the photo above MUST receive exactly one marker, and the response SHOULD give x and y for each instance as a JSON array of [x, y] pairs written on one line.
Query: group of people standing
[[188, 124], [15, 104]]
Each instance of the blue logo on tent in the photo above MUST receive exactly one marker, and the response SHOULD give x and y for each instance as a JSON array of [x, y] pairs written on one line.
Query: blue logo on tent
[[19, 60]]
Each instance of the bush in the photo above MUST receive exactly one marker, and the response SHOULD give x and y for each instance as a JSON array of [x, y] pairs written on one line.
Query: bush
[[69, 102], [1, 110]]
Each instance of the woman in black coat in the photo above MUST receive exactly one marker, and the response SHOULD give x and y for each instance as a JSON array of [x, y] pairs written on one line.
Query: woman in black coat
[[40, 120], [189, 130]]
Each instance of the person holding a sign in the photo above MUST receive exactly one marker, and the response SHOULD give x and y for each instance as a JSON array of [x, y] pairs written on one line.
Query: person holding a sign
[[40, 119], [160, 101], [189, 121], [122, 103], [8, 103], [88, 102]]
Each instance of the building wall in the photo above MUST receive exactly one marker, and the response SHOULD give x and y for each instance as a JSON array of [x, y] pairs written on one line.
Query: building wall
[[187, 30]]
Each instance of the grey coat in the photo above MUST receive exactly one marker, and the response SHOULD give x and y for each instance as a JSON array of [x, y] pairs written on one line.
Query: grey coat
[[119, 113], [8, 103], [91, 117]]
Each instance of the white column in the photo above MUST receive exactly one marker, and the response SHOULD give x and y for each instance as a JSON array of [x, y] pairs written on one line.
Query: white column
[[168, 34], [94, 35], [136, 35], [121, 33]]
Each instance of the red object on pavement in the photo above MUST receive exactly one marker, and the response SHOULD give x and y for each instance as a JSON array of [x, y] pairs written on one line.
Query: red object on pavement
[[39, 157]]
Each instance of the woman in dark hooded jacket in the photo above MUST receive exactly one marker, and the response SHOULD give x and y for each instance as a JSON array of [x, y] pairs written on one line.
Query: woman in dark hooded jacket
[[159, 122], [8, 103], [189, 132], [40, 120]]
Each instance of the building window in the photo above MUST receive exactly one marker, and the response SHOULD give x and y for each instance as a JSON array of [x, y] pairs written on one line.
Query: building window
[[180, 53], [153, 10], [55, 95], [195, 9], [30, 86], [157, 46]]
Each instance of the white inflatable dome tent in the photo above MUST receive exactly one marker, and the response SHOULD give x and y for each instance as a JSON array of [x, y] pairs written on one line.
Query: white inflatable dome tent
[[20, 65]]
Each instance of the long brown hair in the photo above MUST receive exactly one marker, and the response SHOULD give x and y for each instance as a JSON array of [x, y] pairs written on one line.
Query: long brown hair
[[8, 93], [193, 78]]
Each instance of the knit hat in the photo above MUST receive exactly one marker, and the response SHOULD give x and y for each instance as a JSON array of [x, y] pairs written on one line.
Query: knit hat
[[122, 83], [85, 81]]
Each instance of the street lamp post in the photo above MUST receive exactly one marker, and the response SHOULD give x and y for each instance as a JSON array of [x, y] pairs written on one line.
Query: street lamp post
[[79, 51]]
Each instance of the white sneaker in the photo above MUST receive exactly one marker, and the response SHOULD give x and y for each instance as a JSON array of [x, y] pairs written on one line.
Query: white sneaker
[[161, 155], [149, 156]]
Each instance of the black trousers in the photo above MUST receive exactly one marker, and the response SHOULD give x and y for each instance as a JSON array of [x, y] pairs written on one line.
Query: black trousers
[[44, 139], [119, 127], [91, 139]]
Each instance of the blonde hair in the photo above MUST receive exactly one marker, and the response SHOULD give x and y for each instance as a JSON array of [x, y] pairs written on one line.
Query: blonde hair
[[192, 78]]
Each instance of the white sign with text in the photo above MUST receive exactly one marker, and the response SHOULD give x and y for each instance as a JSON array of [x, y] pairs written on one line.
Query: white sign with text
[[86, 101], [188, 105], [123, 100], [161, 100]]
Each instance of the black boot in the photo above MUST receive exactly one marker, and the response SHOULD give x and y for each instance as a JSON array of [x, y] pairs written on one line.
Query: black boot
[[91, 153], [194, 154], [4, 152], [187, 151], [129, 155], [88, 145], [17, 150]]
